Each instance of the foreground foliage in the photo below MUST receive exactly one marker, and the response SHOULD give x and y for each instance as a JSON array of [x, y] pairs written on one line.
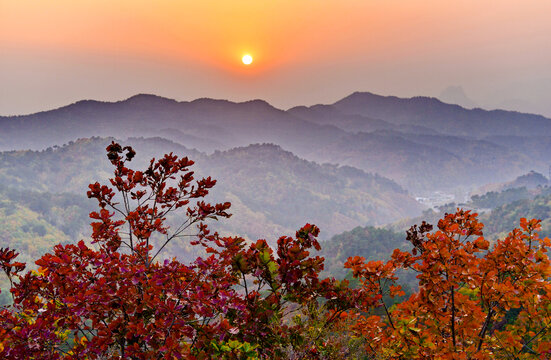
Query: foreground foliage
[[472, 303], [118, 297]]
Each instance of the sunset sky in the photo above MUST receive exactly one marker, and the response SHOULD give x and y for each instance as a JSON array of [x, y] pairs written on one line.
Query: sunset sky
[[55, 52]]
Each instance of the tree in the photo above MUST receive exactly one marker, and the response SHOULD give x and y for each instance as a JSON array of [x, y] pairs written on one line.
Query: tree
[[472, 303], [115, 296]]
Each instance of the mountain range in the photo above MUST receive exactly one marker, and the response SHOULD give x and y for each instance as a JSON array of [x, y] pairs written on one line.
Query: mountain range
[[346, 167], [421, 143], [273, 191]]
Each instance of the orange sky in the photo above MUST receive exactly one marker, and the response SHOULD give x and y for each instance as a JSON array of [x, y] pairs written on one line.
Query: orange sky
[[306, 51]]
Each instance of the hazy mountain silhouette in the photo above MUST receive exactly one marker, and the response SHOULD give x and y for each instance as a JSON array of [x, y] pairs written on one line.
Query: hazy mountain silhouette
[[456, 95], [425, 162], [445, 118], [421, 142], [226, 123]]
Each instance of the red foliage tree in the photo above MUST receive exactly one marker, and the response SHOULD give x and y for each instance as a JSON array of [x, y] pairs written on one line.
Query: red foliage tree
[[115, 298]]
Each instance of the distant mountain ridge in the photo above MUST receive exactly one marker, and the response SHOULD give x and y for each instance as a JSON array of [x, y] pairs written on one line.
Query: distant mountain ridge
[[360, 108], [403, 139], [236, 124], [448, 118]]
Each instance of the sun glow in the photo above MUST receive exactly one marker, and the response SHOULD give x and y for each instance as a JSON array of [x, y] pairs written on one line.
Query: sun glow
[[247, 59]]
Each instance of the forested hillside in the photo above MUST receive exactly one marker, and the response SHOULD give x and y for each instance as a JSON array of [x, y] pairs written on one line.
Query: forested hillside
[[273, 191], [269, 184], [370, 242], [499, 220], [499, 211], [425, 163]]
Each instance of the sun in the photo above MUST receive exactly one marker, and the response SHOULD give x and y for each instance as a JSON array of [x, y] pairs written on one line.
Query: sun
[[247, 59]]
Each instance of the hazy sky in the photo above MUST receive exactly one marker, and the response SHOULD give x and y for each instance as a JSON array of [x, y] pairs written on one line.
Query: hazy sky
[[56, 52]]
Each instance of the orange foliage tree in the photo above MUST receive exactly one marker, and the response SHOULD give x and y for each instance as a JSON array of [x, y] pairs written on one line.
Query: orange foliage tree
[[472, 303]]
